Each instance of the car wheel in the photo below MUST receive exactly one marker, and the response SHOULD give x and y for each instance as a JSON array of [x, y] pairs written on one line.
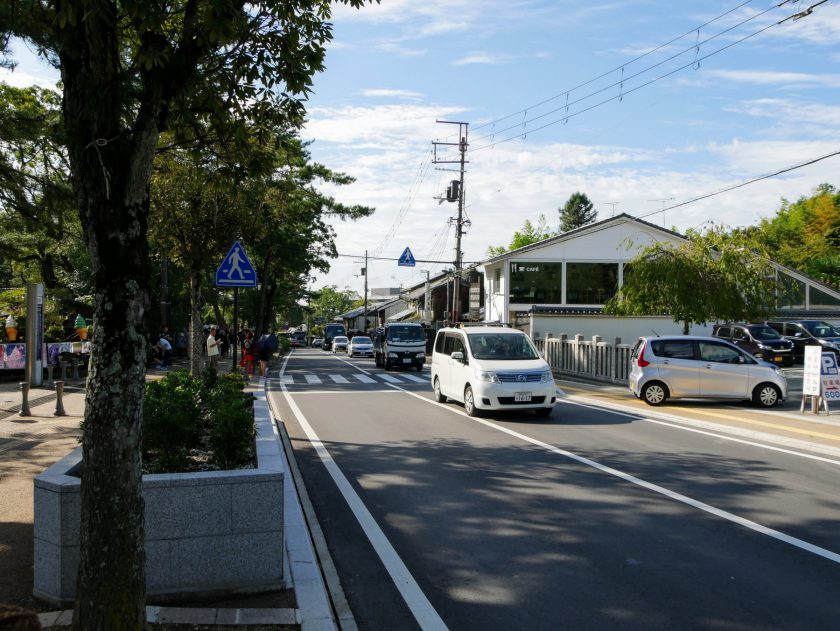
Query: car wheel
[[655, 393], [439, 397], [419, 367], [543, 411], [469, 402], [766, 395]]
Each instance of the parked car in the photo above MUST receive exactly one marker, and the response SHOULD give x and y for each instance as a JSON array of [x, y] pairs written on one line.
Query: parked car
[[759, 340], [491, 368], [702, 367], [318, 342], [808, 333], [360, 345], [340, 343]]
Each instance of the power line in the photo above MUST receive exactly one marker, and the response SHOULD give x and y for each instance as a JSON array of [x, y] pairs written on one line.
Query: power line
[[624, 93], [608, 72]]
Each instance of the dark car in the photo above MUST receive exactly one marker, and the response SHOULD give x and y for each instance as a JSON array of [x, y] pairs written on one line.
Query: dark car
[[759, 340], [808, 333]]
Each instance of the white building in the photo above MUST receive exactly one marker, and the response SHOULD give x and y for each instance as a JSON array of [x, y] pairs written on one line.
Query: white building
[[560, 285]]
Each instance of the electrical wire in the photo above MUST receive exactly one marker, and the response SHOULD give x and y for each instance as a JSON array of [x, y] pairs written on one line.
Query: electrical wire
[[608, 72], [624, 79], [624, 93]]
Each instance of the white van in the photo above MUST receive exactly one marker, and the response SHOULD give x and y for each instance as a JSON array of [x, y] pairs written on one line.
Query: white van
[[491, 368]]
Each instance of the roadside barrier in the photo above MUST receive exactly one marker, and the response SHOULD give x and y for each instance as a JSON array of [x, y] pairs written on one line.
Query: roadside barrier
[[591, 359]]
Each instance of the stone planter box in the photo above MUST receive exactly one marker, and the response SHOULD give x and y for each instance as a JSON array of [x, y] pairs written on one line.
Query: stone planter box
[[205, 532]]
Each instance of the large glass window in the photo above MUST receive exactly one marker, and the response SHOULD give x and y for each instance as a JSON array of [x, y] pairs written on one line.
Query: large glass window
[[821, 299], [791, 292], [590, 283], [536, 283]]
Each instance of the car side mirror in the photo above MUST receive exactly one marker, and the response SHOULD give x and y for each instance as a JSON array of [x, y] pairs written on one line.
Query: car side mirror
[[457, 356]]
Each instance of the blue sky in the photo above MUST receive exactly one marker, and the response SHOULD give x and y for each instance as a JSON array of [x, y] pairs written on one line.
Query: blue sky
[[766, 103]]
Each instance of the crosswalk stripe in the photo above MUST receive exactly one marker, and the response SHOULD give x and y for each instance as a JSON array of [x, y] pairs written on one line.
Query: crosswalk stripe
[[415, 379], [287, 379], [313, 379], [389, 379], [364, 378], [339, 378]]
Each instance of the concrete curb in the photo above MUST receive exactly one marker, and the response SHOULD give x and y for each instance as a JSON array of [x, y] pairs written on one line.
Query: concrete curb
[[188, 615]]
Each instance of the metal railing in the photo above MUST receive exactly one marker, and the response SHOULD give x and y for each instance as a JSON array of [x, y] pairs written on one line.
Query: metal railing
[[589, 359]]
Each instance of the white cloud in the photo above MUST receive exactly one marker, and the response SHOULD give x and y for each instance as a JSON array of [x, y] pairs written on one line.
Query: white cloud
[[389, 93], [21, 79], [479, 58], [800, 79]]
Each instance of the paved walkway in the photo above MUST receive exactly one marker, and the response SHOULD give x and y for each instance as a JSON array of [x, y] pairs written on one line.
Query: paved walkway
[[30, 444]]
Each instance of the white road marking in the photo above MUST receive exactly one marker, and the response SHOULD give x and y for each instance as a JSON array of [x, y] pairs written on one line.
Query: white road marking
[[414, 597], [339, 378], [313, 379], [415, 378], [287, 379], [364, 378], [679, 497], [389, 378]]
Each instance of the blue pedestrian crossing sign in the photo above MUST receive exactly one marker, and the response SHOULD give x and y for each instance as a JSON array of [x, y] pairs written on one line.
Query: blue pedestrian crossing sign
[[407, 259], [236, 269]]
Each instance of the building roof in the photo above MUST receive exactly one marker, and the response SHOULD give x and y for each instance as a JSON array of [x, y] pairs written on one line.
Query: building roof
[[571, 234], [401, 315]]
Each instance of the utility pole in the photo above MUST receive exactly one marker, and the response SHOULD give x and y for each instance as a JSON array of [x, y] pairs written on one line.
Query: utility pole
[[455, 192], [364, 273]]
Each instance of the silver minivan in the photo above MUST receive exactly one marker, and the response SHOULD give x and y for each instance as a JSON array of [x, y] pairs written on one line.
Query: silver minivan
[[702, 367]]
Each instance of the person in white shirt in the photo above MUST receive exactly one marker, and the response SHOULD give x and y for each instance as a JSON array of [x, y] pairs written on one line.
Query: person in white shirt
[[165, 350], [213, 347]]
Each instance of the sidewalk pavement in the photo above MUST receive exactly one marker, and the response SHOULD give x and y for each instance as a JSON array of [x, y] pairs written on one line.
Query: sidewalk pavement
[[30, 444]]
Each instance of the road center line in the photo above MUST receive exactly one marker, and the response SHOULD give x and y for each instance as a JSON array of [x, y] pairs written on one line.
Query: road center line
[[414, 597], [679, 497]]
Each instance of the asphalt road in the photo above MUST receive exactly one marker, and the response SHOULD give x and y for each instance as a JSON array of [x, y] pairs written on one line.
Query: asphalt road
[[592, 518]]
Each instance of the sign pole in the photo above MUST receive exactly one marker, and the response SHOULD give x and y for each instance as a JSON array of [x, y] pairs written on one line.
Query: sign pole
[[235, 333]]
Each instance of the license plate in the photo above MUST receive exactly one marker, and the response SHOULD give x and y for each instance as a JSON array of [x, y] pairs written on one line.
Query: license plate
[[777, 359], [406, 361], [521, 397]]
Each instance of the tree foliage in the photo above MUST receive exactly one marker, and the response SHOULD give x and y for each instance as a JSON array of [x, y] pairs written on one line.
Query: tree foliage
[[209, 72], [712, 275], [329, 302], [529, 234], [805, 234], [576, 212]]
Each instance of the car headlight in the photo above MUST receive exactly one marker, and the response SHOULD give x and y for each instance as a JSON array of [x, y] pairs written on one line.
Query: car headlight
[[776, 369], [483, 375], [392, 356], [828, 344], [546, 377], [762, 347], [421, 355]]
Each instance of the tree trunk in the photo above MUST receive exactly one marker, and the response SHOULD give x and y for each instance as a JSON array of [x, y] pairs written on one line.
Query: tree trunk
[[197, 337], [111, 168], [685, 327]]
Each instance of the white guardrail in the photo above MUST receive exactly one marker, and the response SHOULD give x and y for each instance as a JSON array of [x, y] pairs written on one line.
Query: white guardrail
[[590, 359]]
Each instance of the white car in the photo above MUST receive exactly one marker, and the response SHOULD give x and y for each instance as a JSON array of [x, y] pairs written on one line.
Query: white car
[[340, 343], [702, 367], [360, 345], [491, 368]]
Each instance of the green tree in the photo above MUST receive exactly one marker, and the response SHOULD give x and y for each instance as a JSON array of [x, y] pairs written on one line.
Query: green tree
[[329, 302], [576, 212], [710, 276], [131, 70], [41, 231], [805, 234], [529, 234]]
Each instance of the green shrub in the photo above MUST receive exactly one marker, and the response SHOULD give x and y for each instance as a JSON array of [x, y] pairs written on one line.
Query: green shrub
[[230, 423], [172, 421], [210, 414], [284, 346]]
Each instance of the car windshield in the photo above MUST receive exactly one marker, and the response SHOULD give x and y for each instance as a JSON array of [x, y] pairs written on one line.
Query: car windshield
[[361, 340], [820, 329], [406, 334], [340, 339], [503, 346], [764, 332]]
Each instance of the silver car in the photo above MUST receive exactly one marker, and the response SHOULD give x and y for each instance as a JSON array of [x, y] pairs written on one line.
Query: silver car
[[702, 367], [360, 345], [340, 343]]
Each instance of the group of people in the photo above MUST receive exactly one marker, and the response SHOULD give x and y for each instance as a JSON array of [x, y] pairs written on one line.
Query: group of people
[[256, 350], [253, 348]]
